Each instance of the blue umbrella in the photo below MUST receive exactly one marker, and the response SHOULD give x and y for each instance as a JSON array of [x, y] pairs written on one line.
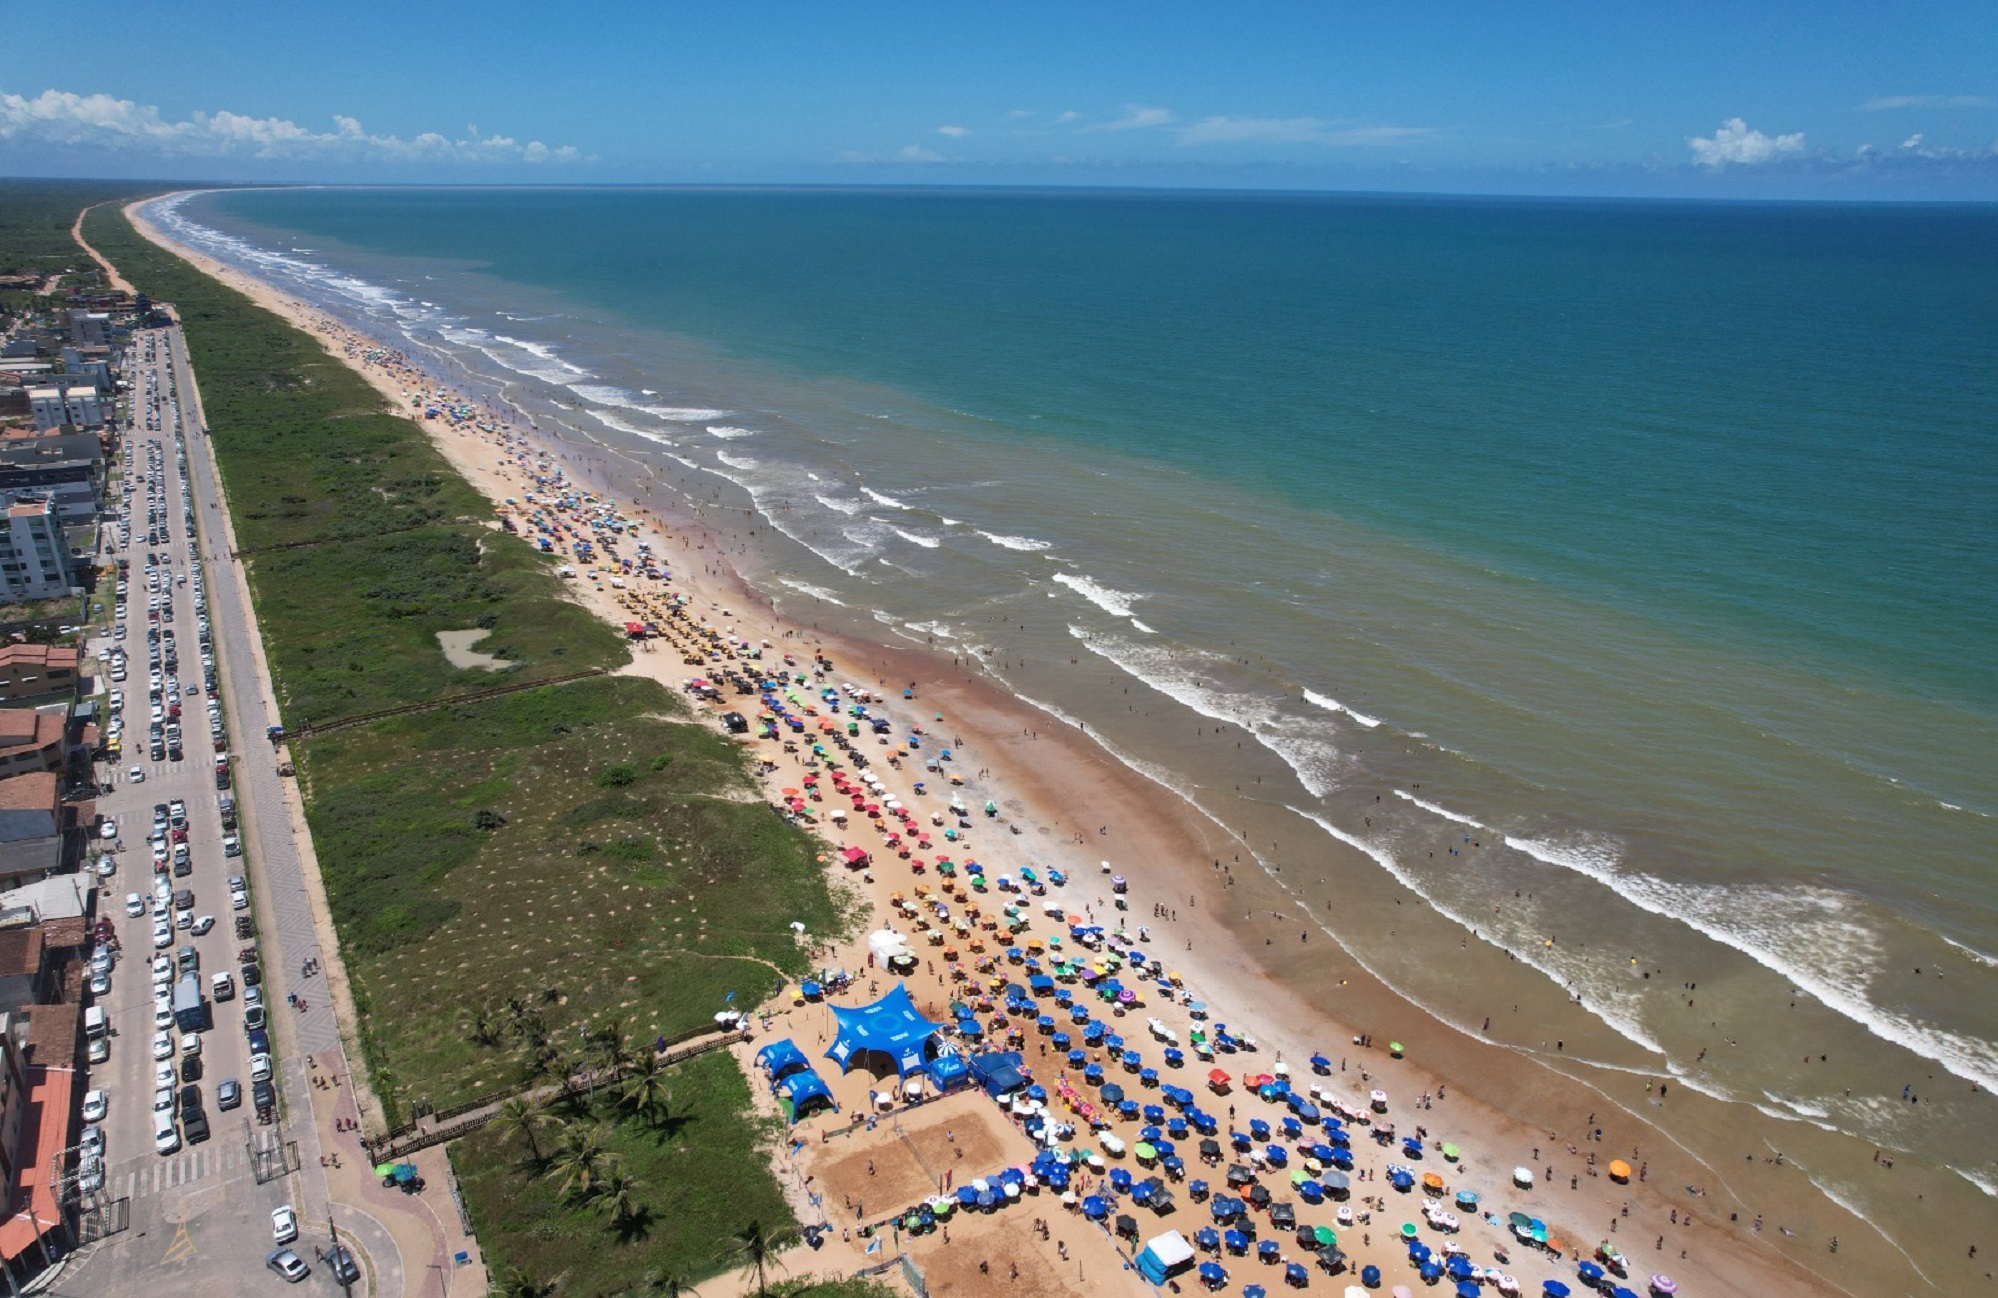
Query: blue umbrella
[[1037, 1092], [1237, 1242], [1120, 1180], [1128, 1110], [1253, 1291], [1259, 1129], [1132, 1059], [1212, 1275], [1294, 1273], [1240, 1141], [1148, 1076], [1292, 1129], [1590, 1272], [1196, 1187], [1221, 1208], [966, 1196], [1063, 1041], [1175, 1057], [1142, 1194], [1093, 1074], [1112, 1092], [1267, 1250], [1078, 1013], [1411, 1147], [1208, 1238], [1460, 1268], [1148, 1133], [1311, 1191], [1095, 1207], [1320, 1063], [1554, 1289], [1045, 1022], [1113, 1042], [1176, 1128], [1401, 1178], [1621, 1292], [1174, 1165], [1419, 1252], [1277, 1155], [1465, 1289], [1165, 1147], [1430, 1272], [1154, 1113], [1076, 1058], [1371, 1277]]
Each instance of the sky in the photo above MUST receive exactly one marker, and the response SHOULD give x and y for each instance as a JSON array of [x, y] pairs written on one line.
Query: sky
[[1753, 99]]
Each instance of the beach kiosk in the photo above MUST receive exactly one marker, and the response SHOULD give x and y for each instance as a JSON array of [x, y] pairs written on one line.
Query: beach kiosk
[[780, 1059], [1165, 1256], [803, 1094], [891, 1030]]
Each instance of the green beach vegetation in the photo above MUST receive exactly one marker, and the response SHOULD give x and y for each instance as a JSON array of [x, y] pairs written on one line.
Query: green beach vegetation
[[577, 864]]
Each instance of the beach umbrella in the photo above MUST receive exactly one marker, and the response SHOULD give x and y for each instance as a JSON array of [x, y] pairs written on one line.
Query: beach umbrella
[[1096, 1207], [1295, 1274], [1267, 1250], [1465, 1289], [1450, 1152], [1120, 1180], [1591, 1273], [1253, 1291], [1370, 1276], [1554, 1289], [1664, 1284], [1408, 1230], [1621, 1292], [1212, 1275], [1619, 1170], [1460, 1267], [1324, 1236], [1112, 1093], [1430, 1272], [1236, 1241], [1320, 1064], [1208, 1238]]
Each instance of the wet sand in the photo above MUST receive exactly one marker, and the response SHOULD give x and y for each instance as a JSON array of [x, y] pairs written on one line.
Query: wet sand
[[1504, 1106]]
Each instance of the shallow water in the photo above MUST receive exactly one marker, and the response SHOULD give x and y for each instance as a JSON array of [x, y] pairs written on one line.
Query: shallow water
[[1617, 578]]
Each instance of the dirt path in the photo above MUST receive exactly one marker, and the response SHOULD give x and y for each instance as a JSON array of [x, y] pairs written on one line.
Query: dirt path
[[111, 274]]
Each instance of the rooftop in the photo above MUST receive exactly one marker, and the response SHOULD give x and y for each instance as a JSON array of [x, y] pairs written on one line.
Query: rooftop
[[35, 791]]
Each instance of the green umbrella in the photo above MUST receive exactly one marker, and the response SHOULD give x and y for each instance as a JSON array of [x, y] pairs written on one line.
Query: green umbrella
[[1408, 1230], [1394, 1048], [1450, 1152], [1326, 1237], [1143, 1150]]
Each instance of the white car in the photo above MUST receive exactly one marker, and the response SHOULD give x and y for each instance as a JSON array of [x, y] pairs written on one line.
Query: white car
[[163, 1078], [135, 905], [184, 919], [100, 984], [109, 829], [162, 1018], [100, 1050], [284, 1225], [203, 924], [162, 936], [137, 775], [260, 1068], [190, 1044], [95, 1105], [163, 964]]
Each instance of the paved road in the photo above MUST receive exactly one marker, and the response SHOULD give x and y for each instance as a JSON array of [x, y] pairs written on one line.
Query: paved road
[[199, 1222]]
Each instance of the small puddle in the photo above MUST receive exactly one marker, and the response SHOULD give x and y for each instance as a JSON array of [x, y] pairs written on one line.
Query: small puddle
[[458, 651]]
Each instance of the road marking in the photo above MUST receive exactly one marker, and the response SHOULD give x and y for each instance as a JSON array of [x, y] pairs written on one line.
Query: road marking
[[182, 1248]]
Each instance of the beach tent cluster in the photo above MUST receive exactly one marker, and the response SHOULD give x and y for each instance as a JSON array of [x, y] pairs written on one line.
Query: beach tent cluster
[[799, 1088]]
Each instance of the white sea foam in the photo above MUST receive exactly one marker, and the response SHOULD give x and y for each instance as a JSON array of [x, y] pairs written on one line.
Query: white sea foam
[[1334, 705], [685, 414], [736, 461], [1189, 677], [917, 538], [729, 433], [1027, 543], [843, 506], [816, 592], [1815, 937], [1615, 1007], [1988, 961], [1435, 810], [1142, 627], [1117, 603], [880, 498]]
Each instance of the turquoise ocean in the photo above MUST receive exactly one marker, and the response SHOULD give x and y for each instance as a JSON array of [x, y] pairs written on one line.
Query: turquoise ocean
[[1619, 577]]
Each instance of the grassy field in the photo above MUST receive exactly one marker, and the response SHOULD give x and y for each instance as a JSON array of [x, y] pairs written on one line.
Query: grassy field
[[573, 848], [511, 878], [384, 544]]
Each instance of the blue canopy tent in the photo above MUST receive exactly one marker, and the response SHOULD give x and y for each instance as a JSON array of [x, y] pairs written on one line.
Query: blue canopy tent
[[780, 1059], [999, 1074], [948, 1070], [890, 1027], [803, 1091]]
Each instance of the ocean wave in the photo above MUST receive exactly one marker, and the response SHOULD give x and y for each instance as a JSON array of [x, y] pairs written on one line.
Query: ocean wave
[[1188, 677], [729, 434], [917, 538], [842, 506], [1114, 602], [1612, 1005], [1026, 543], [1334, 705], [742, 462], [885, 500], [1988, 961], [816, 592], [1812, 936], [685, 414], [1435, 810], [1142, 627]]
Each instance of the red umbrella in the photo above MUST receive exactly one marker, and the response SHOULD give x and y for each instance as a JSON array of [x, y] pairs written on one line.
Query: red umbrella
[[1218, 1079]]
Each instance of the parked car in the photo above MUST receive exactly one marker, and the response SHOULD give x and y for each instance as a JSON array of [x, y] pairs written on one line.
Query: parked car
[[284, 1224], [287, 1264], [95, 1105]]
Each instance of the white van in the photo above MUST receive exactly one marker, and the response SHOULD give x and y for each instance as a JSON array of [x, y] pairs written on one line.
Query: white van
[[166, 1136], [93, 1022]]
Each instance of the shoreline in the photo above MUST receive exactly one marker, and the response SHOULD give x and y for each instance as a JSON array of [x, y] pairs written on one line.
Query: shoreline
[[1042, 768]]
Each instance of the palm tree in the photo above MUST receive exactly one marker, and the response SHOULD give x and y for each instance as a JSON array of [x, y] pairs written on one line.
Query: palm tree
[[756, 1249], [612, 1044], [669, 1284], [582, 1162], [485, 1028], [617, 1195], [646, 1091], [514, 1284], [524, 1115]]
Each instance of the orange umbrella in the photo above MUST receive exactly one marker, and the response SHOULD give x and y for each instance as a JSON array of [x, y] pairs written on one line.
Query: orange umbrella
[[1619, 1170]]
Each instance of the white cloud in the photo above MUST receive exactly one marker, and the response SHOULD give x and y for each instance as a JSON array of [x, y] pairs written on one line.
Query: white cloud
[[954, 132], [1886, 103], [1735, 142], [1294, 130], [1136, 117], [1070, 116], [1913, 141], [58, 117], [917, 153]]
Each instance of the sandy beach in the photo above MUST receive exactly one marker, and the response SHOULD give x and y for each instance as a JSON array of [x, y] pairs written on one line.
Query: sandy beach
[[1232, 938]]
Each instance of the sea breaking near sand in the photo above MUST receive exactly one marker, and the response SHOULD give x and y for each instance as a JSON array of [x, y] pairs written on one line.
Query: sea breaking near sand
[[1060, 805]]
